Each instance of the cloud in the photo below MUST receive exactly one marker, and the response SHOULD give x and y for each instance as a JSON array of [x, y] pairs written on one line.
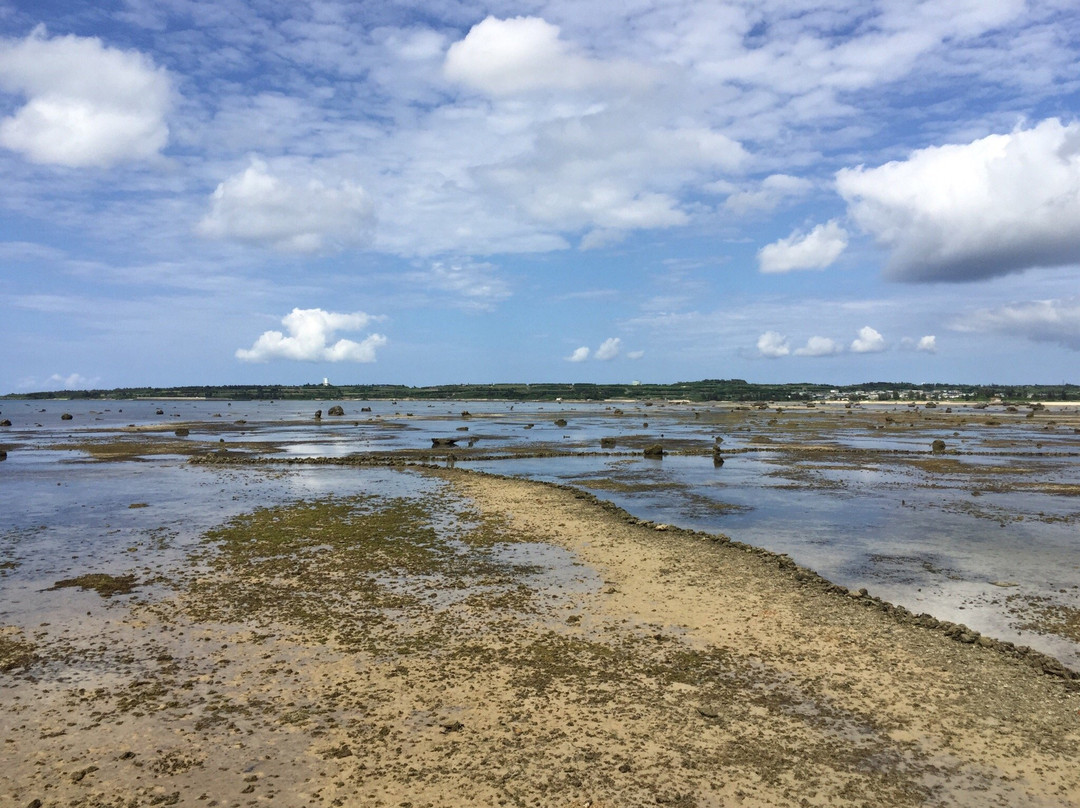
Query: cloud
[[469, 285], [819, 346], [303, 215], [1054, 321], [86, 104], [309, 340], [772, 192], [773, 345], [868, 341], [522, 54], [997, 205], [814, 250], [72, 381], [927, 344], [608, 349]]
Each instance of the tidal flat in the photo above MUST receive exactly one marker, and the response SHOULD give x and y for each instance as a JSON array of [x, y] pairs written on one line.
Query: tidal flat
[[236, 603]]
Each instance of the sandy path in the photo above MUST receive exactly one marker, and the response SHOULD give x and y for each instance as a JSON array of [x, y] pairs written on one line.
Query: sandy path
[[665, 668]]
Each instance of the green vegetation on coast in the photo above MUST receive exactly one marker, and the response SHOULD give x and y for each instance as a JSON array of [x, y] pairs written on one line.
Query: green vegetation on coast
[[704, 390]]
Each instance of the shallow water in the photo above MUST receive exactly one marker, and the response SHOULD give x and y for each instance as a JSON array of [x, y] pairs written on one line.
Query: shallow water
[[940, 536]]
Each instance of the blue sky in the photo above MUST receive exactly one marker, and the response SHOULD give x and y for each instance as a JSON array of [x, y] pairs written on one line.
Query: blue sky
[[210, 192]]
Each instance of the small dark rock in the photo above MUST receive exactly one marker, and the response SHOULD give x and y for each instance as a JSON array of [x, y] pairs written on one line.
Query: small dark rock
[[560, 422], [338, 752], [938, 446], [5, 422], [336, 410], [318, 415], [159, 412], [656, 450], [67, 416], [436, 442], [607, 443], [182, 432]]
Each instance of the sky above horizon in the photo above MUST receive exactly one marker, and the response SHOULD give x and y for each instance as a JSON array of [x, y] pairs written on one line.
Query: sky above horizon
[[442, 191]]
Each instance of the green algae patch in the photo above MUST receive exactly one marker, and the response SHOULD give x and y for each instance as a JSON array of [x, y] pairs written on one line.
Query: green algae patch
[[15, 651], [104, 584], [366, 573], [133, 449]]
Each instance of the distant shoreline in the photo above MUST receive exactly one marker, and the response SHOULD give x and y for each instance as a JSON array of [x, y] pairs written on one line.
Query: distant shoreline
[[695, 392]]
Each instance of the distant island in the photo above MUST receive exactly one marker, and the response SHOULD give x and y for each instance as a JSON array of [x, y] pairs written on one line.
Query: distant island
[[697, 391]]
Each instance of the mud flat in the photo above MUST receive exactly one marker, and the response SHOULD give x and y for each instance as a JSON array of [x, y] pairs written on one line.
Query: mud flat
[[489, 641]]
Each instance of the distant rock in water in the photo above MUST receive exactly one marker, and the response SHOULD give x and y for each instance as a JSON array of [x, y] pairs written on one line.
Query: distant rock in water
[[67, 416], [5, 422], [336, 410], [159, 412], [182, 432], [3, 455], [938, 446], [365, 409], [717, 458], [656, 450], [607, 443], [436, 442], [560, 422], [318, 415]]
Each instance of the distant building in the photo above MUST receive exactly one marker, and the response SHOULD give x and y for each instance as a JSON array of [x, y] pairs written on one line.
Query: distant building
[[325, 382]]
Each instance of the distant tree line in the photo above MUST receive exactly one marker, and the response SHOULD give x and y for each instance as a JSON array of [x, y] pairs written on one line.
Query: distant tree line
[[703, 390]]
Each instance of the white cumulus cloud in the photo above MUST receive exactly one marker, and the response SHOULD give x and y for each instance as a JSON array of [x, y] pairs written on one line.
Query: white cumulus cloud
[[868, 341], [1000, 204], [819, 346], [1054, 321], [608, 349], [304, 214], [773, 344], [310, 338], [73, 381], [86, 104], [502, 57], [927, 344], [814, 250]]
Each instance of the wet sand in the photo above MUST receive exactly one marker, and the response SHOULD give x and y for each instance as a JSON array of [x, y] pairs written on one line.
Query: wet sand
[[512, 643]]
